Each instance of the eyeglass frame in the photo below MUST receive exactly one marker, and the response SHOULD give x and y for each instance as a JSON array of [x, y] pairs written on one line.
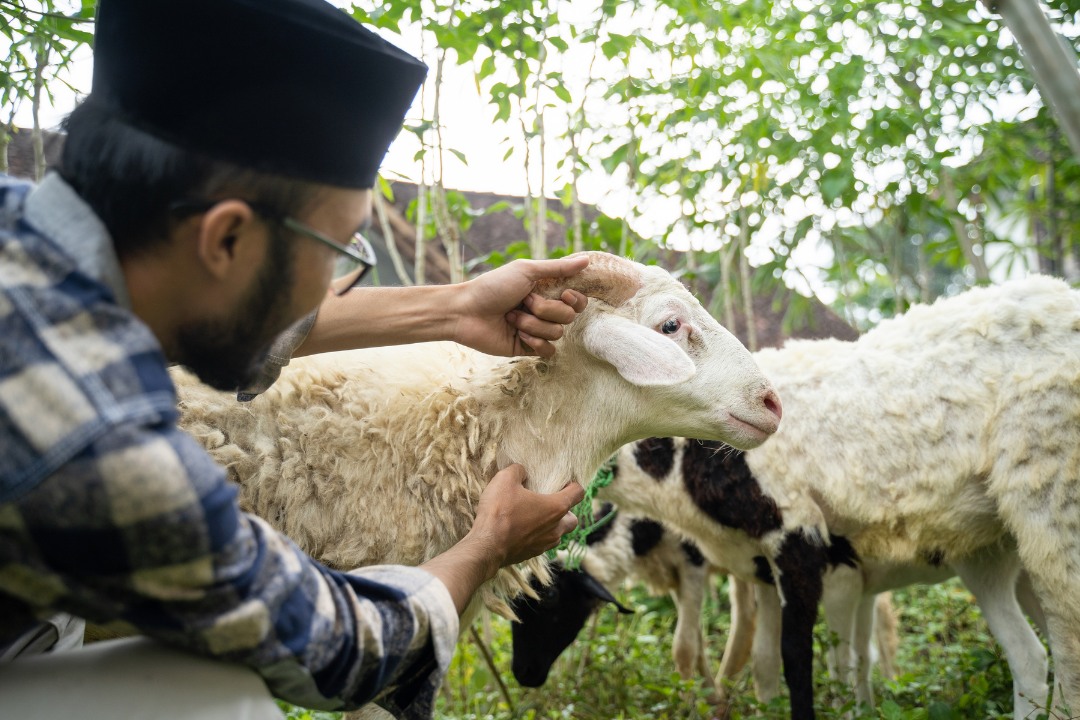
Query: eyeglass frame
[[358, 249]]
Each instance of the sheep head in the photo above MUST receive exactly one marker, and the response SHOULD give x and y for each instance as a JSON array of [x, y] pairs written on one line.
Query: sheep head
[[682, 371]]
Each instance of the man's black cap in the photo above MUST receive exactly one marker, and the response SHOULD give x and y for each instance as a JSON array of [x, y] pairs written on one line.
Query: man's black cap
[[289, 87]]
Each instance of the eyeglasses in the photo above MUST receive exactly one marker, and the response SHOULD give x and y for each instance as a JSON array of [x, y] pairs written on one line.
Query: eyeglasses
[[357, 257]]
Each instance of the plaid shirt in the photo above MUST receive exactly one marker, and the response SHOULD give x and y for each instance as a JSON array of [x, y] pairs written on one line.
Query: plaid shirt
[[109, 512]]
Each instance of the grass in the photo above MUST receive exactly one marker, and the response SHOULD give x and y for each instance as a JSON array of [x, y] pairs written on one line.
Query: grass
[[621, 668]]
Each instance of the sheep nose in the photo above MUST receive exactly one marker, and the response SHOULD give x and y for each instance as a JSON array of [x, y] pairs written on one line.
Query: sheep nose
[[772, 403]]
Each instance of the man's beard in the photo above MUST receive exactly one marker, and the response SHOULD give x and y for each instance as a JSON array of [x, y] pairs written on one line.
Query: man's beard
[[228, 353]]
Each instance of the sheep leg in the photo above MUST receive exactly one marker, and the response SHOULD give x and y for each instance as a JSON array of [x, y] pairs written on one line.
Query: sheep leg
[[797, 650], [741, 636], [992, 580], [1057, 596], [1035, 481], [739, 641], [885, 635], [766, 645], [801, 565], [843, 591], [864, 635], [1029, 601], [688, 646]]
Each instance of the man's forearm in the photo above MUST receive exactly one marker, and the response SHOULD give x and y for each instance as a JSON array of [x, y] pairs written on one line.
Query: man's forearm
[[369, 317], [463, 569]]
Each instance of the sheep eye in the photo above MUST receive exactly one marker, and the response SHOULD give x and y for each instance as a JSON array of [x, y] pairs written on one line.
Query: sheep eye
[[670, 326]]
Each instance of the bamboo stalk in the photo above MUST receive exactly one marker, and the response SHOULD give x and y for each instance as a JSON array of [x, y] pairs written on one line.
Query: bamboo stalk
[[391, 243], [491, 666], [744, 281], [41, 60]]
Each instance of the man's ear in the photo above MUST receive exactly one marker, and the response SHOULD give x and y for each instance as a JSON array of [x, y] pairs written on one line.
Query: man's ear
[[225, 235]]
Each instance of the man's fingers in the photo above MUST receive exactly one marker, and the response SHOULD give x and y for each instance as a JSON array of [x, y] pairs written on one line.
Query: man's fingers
[[536, 327], [576, 300], [551, 310], [515, 473], [539, 346], [567, 524], [559, 268], [573, 493]]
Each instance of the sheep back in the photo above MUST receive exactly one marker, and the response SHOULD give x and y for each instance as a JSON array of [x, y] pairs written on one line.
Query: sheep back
[[910, 438], [369, 457]]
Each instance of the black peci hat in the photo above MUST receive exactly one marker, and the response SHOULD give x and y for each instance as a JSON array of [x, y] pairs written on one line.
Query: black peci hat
[[289, 87]]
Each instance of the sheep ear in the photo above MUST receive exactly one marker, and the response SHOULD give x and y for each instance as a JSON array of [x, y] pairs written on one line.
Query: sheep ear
[[643, 357], [598, 591]]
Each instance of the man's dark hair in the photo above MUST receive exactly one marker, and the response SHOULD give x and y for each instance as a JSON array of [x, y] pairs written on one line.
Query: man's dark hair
[[131, 179]]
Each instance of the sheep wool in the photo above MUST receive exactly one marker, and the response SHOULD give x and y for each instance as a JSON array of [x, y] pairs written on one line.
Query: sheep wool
[[942, 433], [379, 456]]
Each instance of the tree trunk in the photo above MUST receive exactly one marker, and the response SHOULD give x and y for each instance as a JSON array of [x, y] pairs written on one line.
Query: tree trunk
[[1055, 242], [420, 261], [447, 229], [576, 215], [726, 255], [973, 255], [691, 263], [391, 242], [631, 179], [529, 206], [540, 245], [744, 281], [41, 61], [5, 141]]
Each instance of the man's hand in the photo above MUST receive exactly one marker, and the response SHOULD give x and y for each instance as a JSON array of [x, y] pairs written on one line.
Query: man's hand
[[512, 524], [500, 314], [519, 524]]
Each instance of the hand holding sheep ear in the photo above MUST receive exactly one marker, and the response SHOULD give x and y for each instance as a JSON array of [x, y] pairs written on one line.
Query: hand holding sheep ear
[[534, 322], [497, 313]]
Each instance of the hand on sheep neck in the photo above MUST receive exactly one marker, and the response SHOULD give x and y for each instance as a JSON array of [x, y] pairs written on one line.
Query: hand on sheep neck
[[512, 525]]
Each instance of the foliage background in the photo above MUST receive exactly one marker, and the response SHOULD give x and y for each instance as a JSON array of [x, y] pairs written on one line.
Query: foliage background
[[874, 153], [871, 153], [950, 669]]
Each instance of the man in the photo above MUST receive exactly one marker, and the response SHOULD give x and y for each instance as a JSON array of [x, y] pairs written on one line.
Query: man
[[222, 161]]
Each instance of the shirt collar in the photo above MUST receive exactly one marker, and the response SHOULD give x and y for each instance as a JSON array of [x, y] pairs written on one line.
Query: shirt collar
[[56, 211]]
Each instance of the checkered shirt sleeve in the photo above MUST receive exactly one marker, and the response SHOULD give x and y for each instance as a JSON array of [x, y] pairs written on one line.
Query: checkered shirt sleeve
[[109, 512], [144, 528]]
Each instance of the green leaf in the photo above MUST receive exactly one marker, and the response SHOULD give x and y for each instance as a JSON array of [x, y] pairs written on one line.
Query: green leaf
[[487, 67], [562, 93], [385, 188], [891, 711], [835, 183], [459, 155], [938, 710]]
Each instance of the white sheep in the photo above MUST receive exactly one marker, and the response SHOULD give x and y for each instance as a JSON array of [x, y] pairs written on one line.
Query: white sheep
[[945, 436], [951, 434], [379, 456]]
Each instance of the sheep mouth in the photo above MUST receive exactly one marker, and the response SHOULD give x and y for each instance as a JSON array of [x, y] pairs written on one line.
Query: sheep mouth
[[752, 433]]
